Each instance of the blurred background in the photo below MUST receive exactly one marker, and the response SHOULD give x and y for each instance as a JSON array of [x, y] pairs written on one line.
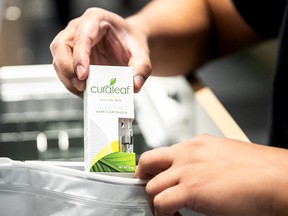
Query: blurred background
[[50, 123]]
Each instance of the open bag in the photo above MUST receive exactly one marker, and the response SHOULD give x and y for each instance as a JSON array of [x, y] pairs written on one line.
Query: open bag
[[38, 188]]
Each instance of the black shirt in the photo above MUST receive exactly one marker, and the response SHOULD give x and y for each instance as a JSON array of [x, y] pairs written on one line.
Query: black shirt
[[270, 19], [264, 16]]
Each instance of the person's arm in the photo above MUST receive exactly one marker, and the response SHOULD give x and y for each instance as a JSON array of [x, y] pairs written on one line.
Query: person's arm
[[216, 176], [177, 36], [184, 34]]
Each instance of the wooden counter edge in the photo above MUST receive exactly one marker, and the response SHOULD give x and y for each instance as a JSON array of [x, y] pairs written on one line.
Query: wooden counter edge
[[217, 112]]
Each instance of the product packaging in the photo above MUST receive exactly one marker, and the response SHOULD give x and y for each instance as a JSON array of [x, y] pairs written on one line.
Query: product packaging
[[108, 117], [60, 188]]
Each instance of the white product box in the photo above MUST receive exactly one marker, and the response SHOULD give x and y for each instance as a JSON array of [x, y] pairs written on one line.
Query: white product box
[[108, 117]]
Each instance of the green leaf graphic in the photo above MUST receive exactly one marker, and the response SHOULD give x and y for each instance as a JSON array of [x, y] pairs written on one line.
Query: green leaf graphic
[[112, 81], [116, 162]]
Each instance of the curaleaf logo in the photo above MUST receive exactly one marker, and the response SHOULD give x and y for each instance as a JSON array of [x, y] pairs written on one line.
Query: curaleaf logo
[[110, 89], [112, 81]]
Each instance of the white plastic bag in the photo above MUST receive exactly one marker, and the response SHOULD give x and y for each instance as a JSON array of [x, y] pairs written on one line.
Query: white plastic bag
[[34, 188]]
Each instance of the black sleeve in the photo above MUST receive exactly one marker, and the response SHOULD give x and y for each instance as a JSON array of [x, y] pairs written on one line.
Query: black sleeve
[[264, 16]]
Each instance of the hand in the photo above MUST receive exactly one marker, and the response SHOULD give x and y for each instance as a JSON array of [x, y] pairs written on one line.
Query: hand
[[216, 176], [99, 37]]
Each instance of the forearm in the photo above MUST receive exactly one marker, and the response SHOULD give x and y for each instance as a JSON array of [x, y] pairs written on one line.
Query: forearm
[[185, 34], [178, 34]]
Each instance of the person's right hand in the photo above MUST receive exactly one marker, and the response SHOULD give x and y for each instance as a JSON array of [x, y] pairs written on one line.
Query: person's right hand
[[216, 176], [99, 37]]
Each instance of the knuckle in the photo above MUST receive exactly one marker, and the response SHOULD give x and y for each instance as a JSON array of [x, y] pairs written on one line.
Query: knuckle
[[158, 204], [91, 10], [57, 41], [199, 139], [150, 188], [203, 136], [72, 23], [96, 12], [53, 44], [144, 158]]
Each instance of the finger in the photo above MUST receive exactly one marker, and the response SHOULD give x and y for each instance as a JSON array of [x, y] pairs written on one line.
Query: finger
[[72, 84], [63, 62], [170, 201], [153, 162], [88, 34], [140, 60], [162, 181], [142, 70]]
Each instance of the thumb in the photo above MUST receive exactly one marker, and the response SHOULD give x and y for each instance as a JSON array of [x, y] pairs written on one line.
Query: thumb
[[141, 71]]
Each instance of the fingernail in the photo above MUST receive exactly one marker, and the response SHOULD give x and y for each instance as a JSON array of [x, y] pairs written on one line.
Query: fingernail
[[138, 82], [80, 71]]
